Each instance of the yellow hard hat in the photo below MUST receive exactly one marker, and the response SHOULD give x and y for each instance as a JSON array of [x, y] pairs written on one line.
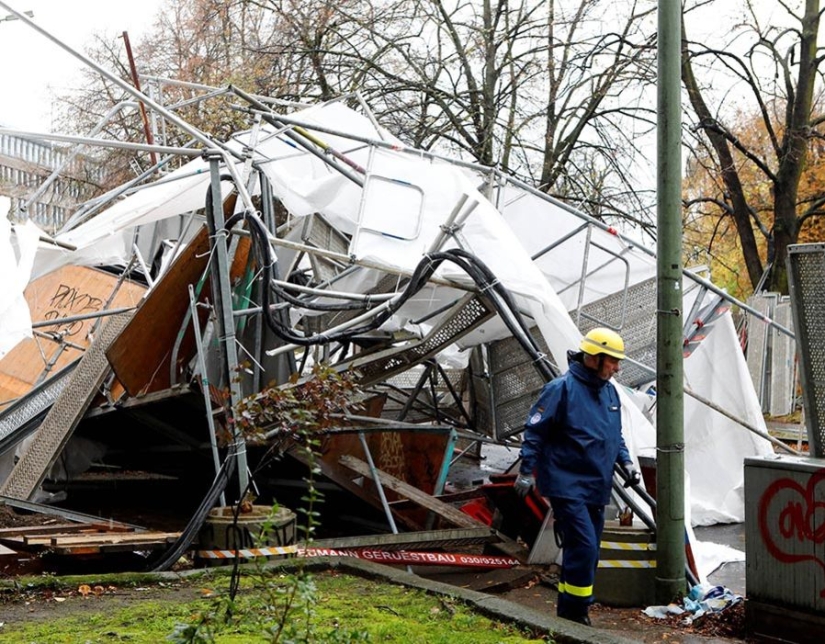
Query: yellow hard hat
[[601, 340]]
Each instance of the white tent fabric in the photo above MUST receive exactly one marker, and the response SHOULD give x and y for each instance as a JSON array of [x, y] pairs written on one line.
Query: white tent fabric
[[608, 261], [17, 251], [715, 446]]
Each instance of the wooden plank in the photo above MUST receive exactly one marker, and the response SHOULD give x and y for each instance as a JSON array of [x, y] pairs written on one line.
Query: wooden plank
[[108, 548], [99, 538], [40, 529], [46, 538], [66, 292], [446, 512], [141, 356], [7, 552]]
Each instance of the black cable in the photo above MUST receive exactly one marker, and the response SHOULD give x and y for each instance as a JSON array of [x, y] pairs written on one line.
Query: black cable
[[196, 522], [479, 272]]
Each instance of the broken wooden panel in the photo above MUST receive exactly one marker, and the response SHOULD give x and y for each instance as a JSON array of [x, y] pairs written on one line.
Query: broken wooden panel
[[83, 539], [67, 292], [448, 513], [413, 456], [142, 355]]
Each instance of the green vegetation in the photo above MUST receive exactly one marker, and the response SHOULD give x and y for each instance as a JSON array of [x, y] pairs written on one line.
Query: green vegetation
[[343, 608]]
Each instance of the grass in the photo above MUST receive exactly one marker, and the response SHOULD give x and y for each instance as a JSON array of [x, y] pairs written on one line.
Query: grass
[[346, 608]]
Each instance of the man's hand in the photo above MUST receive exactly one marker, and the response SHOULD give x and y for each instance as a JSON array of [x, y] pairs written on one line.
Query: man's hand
[[524, 483], [632, 474]]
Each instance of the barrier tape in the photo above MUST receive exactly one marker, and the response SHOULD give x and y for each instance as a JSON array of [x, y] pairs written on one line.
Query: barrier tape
[[380, 556], [248, 553], [627, 563]]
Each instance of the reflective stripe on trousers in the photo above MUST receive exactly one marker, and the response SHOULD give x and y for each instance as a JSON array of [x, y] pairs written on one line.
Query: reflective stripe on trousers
[[581, 528]]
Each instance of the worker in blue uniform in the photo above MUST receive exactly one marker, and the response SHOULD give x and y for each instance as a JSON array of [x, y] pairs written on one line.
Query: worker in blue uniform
[[572, 440]]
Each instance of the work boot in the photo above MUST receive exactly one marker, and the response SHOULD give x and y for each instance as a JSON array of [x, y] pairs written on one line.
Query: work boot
[[581, 618], [574, 614]]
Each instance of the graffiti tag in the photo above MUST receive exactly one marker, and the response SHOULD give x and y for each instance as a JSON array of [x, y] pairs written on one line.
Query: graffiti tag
[[789, 513], [68, 301]]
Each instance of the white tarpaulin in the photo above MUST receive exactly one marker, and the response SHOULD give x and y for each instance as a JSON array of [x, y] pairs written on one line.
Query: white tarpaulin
[[715, 446], [582, 263], [17, 251]]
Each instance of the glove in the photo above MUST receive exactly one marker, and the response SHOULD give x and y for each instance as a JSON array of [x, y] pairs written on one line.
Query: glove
[[524, 483], [632, 474]]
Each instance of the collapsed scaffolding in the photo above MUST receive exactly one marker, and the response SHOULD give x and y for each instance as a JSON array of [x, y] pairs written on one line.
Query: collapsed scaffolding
[[450, 290]]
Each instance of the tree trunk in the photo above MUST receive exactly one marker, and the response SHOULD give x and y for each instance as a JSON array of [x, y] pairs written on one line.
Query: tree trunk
[[794, 150], [730, 176]]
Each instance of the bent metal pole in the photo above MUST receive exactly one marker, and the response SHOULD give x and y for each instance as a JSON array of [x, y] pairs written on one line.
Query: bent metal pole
[[197, 134]]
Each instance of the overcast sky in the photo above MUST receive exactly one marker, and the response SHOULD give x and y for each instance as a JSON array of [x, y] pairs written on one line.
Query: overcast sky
[[33, 68]]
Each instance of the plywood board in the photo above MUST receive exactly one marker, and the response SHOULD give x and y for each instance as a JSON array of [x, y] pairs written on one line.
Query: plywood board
[[67, 292], [142, 356], [415, 457]]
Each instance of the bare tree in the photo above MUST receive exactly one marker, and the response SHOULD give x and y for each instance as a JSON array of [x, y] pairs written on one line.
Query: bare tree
[[771, 64], [202, 42], [543, 90]]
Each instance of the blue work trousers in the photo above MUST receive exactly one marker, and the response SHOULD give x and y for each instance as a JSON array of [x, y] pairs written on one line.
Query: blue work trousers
[[579, 525]]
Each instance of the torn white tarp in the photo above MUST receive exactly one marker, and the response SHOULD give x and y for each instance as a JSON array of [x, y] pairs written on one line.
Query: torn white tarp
[[716, 446], [582, 263], [108, 237], [17, 251]]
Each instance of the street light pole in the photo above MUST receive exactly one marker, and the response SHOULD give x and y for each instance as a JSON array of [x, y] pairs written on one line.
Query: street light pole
[[670, 442]]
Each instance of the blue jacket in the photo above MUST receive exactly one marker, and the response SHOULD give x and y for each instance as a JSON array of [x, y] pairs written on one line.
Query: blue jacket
[[573, 436]]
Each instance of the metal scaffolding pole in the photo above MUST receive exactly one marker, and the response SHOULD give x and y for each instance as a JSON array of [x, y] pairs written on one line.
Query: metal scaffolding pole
[[224, 320]]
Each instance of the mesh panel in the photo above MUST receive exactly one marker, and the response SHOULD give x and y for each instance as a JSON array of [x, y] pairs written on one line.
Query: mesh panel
[[16, 420], [515, 384], [318, 232], [633, 314], [758, 336], [65, 413], [783, 352], [469, 313], [807, 281]]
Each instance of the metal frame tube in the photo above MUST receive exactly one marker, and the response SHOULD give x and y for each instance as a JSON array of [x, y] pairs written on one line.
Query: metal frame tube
[[207, 400], [225, 323]]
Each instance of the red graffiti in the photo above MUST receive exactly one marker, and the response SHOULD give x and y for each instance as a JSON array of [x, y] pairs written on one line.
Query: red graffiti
[[801, 519]]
